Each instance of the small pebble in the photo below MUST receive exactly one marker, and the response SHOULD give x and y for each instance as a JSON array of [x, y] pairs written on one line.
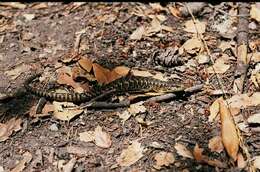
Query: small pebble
[[53, 127]]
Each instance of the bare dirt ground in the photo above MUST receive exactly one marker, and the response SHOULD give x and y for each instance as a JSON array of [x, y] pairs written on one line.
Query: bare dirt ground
[[167, 135]]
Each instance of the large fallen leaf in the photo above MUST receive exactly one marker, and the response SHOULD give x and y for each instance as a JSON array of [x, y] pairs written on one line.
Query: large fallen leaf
[[102, 139], [27, 157], [228, 131], [6, 130], [191, 46], [131, 155], [183, 151], [190, 27], [163, 158], [65, 114], [215, 144], [255, 12]]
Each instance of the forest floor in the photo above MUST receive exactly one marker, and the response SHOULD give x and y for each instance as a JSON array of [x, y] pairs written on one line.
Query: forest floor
[[212, 129]]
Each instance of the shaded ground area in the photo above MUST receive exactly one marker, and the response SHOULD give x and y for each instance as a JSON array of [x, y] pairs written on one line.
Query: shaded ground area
[[38, 37]]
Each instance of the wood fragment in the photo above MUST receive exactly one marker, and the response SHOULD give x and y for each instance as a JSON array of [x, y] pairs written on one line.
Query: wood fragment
[[242, 42]]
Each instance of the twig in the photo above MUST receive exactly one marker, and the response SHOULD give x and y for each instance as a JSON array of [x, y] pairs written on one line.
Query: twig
[[97, 98], [105, 105], [242, 41], [172, 95], [207, 49]]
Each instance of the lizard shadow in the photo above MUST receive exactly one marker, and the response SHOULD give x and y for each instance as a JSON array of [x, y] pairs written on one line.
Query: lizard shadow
[[17, 105]]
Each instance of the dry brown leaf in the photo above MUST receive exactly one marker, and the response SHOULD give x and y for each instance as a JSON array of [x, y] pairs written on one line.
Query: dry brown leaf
[[138, 33], [219, 66], [214, 109], [63, 78], [191, 46], [183, 151], [113, 76], [87, 136], [86, 64], [241, 163], [102, 139], [163, 158], [121, 70], [137, 108], [190, 27], [27, 157], [6, 130], [131, 155], [65, 114], [175, 11], [255, 12], [228, 131], [101, 73], [215, 144], [197, 153]]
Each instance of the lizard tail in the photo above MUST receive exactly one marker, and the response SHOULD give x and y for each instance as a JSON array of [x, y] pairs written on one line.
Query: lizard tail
[[61, 97]]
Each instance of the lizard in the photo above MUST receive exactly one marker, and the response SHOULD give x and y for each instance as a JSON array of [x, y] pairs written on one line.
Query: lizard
[[126, 84]]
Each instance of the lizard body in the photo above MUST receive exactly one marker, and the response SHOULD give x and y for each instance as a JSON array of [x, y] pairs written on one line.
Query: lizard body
[[122, 85]]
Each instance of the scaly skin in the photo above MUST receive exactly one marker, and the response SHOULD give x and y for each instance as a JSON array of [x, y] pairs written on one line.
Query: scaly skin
[[122, 85]]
